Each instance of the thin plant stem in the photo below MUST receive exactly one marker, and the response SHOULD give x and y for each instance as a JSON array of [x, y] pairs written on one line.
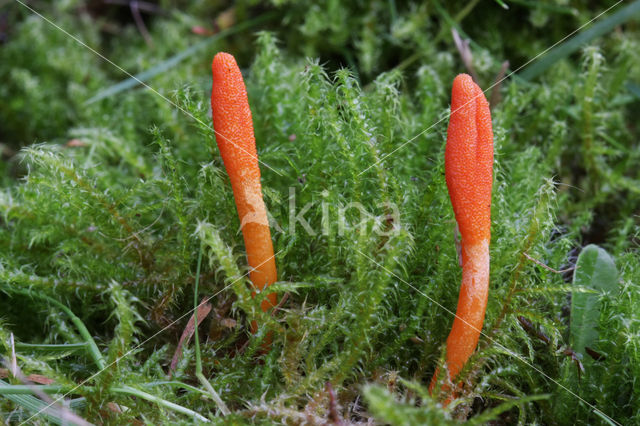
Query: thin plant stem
[[51, 348], [128, 390], [31, 389], [195, 313], [214, 395], [92, 347]]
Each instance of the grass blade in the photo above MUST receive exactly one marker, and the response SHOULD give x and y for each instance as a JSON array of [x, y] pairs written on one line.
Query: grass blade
[[31, 404], [66, 348], [563, 50], [92, 347], [31, 389], [492, 414], [163, 66], [128, 390]]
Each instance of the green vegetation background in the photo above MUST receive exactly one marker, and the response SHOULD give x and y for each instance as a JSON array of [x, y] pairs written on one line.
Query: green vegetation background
[[109, 192]]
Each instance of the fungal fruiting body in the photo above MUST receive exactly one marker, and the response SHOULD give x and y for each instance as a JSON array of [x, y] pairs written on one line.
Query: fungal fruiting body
[[469, 176], [233, 126]]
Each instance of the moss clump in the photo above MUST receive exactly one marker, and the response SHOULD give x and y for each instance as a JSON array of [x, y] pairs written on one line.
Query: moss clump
[[105, 209]]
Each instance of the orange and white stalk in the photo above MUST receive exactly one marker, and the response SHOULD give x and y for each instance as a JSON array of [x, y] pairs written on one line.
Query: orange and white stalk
[[469, 176]]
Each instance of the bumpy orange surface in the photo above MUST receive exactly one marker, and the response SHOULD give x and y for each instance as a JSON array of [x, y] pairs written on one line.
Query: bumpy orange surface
[[469, 160], [233, 125], [469, 176]]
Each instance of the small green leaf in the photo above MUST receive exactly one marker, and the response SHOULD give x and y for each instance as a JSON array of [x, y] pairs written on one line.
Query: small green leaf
[[595, 270]]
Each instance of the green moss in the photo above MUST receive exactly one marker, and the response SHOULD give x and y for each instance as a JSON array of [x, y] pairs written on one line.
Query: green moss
[[351, 141]]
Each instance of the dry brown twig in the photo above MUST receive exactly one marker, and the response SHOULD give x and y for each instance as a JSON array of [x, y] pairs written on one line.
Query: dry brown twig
[[334, 415], [548, 268], [465, 54], [203, 311], [136, 6], [497, 85]]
